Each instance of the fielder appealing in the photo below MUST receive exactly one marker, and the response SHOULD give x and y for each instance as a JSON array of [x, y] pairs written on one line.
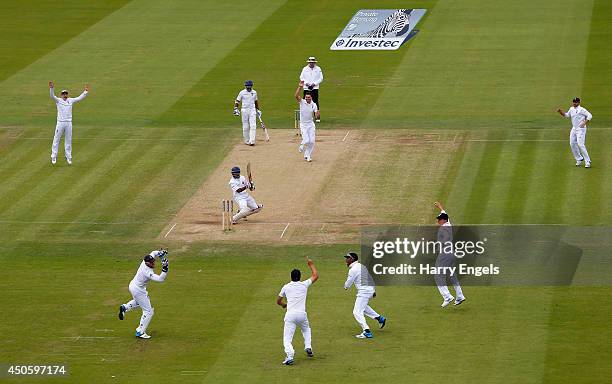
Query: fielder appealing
[[312, 77], [248, 206], [445, 233], [359, 276], [64, 122], [295, 293], [580, 118], [308, 109], [138, 289], [249, 108]]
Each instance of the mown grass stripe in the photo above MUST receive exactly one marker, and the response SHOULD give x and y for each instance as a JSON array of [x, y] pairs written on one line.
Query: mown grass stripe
[[480, 193]]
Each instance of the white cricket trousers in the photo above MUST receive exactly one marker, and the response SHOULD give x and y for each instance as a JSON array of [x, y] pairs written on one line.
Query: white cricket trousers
[[362, 308], [247, 206], [62, 128], [308, 137], [249, 125], [447, 260], [140, 299], [577, 139], [293, 320]]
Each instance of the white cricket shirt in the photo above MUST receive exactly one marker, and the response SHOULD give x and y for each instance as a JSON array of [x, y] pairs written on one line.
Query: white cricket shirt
[[143, 275], [312, 76], [296, 292], [307, 110], [578, 115], [238, 183], [359, 276], [247, 98], [64, 108]]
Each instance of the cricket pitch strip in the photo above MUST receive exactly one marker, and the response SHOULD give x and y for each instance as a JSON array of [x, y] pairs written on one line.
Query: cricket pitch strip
[[356, 178]]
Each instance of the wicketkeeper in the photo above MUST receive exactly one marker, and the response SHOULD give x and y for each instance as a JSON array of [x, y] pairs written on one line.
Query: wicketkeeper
[[138, 289], [249, 109]]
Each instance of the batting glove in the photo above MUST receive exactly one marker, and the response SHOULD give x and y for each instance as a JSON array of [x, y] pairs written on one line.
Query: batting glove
[[259, 113], [236, 112]]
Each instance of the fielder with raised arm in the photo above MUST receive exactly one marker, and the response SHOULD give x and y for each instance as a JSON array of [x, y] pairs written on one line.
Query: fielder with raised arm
[[295, 293], [138, 289], [359, 276], [308, 110], [247, 99], [64, 122], [580, 118], [248, 206], [445, 233]]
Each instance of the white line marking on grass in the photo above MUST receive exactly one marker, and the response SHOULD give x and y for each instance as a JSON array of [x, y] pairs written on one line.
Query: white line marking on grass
[[345, 136], [105, 330], [283, 234], [167, 233]]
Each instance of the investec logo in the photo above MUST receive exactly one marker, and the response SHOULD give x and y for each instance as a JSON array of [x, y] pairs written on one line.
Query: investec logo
[[367, 43], [378, 29]]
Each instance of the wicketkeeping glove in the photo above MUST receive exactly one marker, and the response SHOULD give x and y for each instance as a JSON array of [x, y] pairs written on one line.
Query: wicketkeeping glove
[[236, 112], [165, 263], [311, 87]]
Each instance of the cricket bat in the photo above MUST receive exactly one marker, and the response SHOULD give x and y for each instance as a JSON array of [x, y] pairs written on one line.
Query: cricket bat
[[250, 176], [263, 126]]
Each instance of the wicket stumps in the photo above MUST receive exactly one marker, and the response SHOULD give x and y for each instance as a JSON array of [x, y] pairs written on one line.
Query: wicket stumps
[[296, 123], [227, 208]]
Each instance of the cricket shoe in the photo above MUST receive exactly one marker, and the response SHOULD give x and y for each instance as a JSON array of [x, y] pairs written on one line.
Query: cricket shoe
[[69, 161], [382, 321], [142, 335], [288, 361], [459, 300], [53, 160], [447, 301], [309, 352], [308, 159], [365, 335], [579, 162], [587, 165], [121, 312], [301, 148]]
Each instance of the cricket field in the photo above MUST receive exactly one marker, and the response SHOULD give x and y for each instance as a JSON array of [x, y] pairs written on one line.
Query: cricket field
[[463, 113]]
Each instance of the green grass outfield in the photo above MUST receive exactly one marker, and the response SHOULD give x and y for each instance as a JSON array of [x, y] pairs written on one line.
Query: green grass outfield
[[158, 121]]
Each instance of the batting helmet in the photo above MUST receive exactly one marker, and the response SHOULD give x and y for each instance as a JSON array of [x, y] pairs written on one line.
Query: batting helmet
[[248, 83], [235, 169]]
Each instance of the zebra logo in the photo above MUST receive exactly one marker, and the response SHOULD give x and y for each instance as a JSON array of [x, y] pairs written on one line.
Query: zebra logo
[[397, 23]]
